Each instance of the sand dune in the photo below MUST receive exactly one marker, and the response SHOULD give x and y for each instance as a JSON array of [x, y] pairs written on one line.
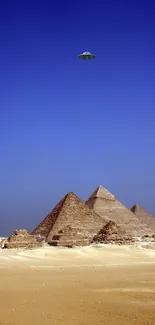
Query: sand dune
[[95, 255], [81, 286]]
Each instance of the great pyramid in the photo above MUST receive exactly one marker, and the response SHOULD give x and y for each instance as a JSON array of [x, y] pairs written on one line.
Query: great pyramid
[[113, 234], [70, 223], [106, 205], [144, 216]]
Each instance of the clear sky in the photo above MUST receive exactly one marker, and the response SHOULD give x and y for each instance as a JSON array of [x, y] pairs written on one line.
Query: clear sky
[[71, 125]]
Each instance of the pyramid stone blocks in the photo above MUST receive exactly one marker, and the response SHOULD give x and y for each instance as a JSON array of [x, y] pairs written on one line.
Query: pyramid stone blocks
[[107, 206], [70, 223]]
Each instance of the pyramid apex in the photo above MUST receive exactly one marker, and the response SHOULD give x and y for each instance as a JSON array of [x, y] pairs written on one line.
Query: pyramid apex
[[102, 193], [71, 195], [135, 206]]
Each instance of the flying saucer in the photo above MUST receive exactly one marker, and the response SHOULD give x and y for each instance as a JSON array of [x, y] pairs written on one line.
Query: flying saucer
[[86, 56]]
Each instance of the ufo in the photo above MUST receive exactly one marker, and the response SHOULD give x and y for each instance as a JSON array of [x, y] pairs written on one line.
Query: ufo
[[86, 56]]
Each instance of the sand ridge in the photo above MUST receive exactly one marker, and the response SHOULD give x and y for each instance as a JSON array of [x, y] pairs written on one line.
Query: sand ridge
[[82, 286], [95, 255]]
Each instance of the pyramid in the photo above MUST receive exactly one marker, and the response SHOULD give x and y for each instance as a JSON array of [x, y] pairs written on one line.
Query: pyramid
[[70, 223], [21, 238], [106, 205], [113, 234], [144, 216]]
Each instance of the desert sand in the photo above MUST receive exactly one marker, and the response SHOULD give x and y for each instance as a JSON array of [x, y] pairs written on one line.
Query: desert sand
[[92, 285]]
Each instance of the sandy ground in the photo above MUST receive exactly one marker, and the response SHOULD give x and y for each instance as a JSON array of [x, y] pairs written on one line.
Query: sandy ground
[[91, 285]]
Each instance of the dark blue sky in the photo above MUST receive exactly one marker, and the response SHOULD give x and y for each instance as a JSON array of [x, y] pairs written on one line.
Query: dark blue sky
[[71, 125]]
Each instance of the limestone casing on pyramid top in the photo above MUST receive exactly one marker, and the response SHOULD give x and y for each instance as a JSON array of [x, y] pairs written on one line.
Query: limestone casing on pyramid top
[[102, 193]]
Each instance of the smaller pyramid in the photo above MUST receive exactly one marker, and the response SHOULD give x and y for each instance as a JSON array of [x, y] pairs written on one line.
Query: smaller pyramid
[[21, 238], [144, 215], [111, 233], [70, 223]]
